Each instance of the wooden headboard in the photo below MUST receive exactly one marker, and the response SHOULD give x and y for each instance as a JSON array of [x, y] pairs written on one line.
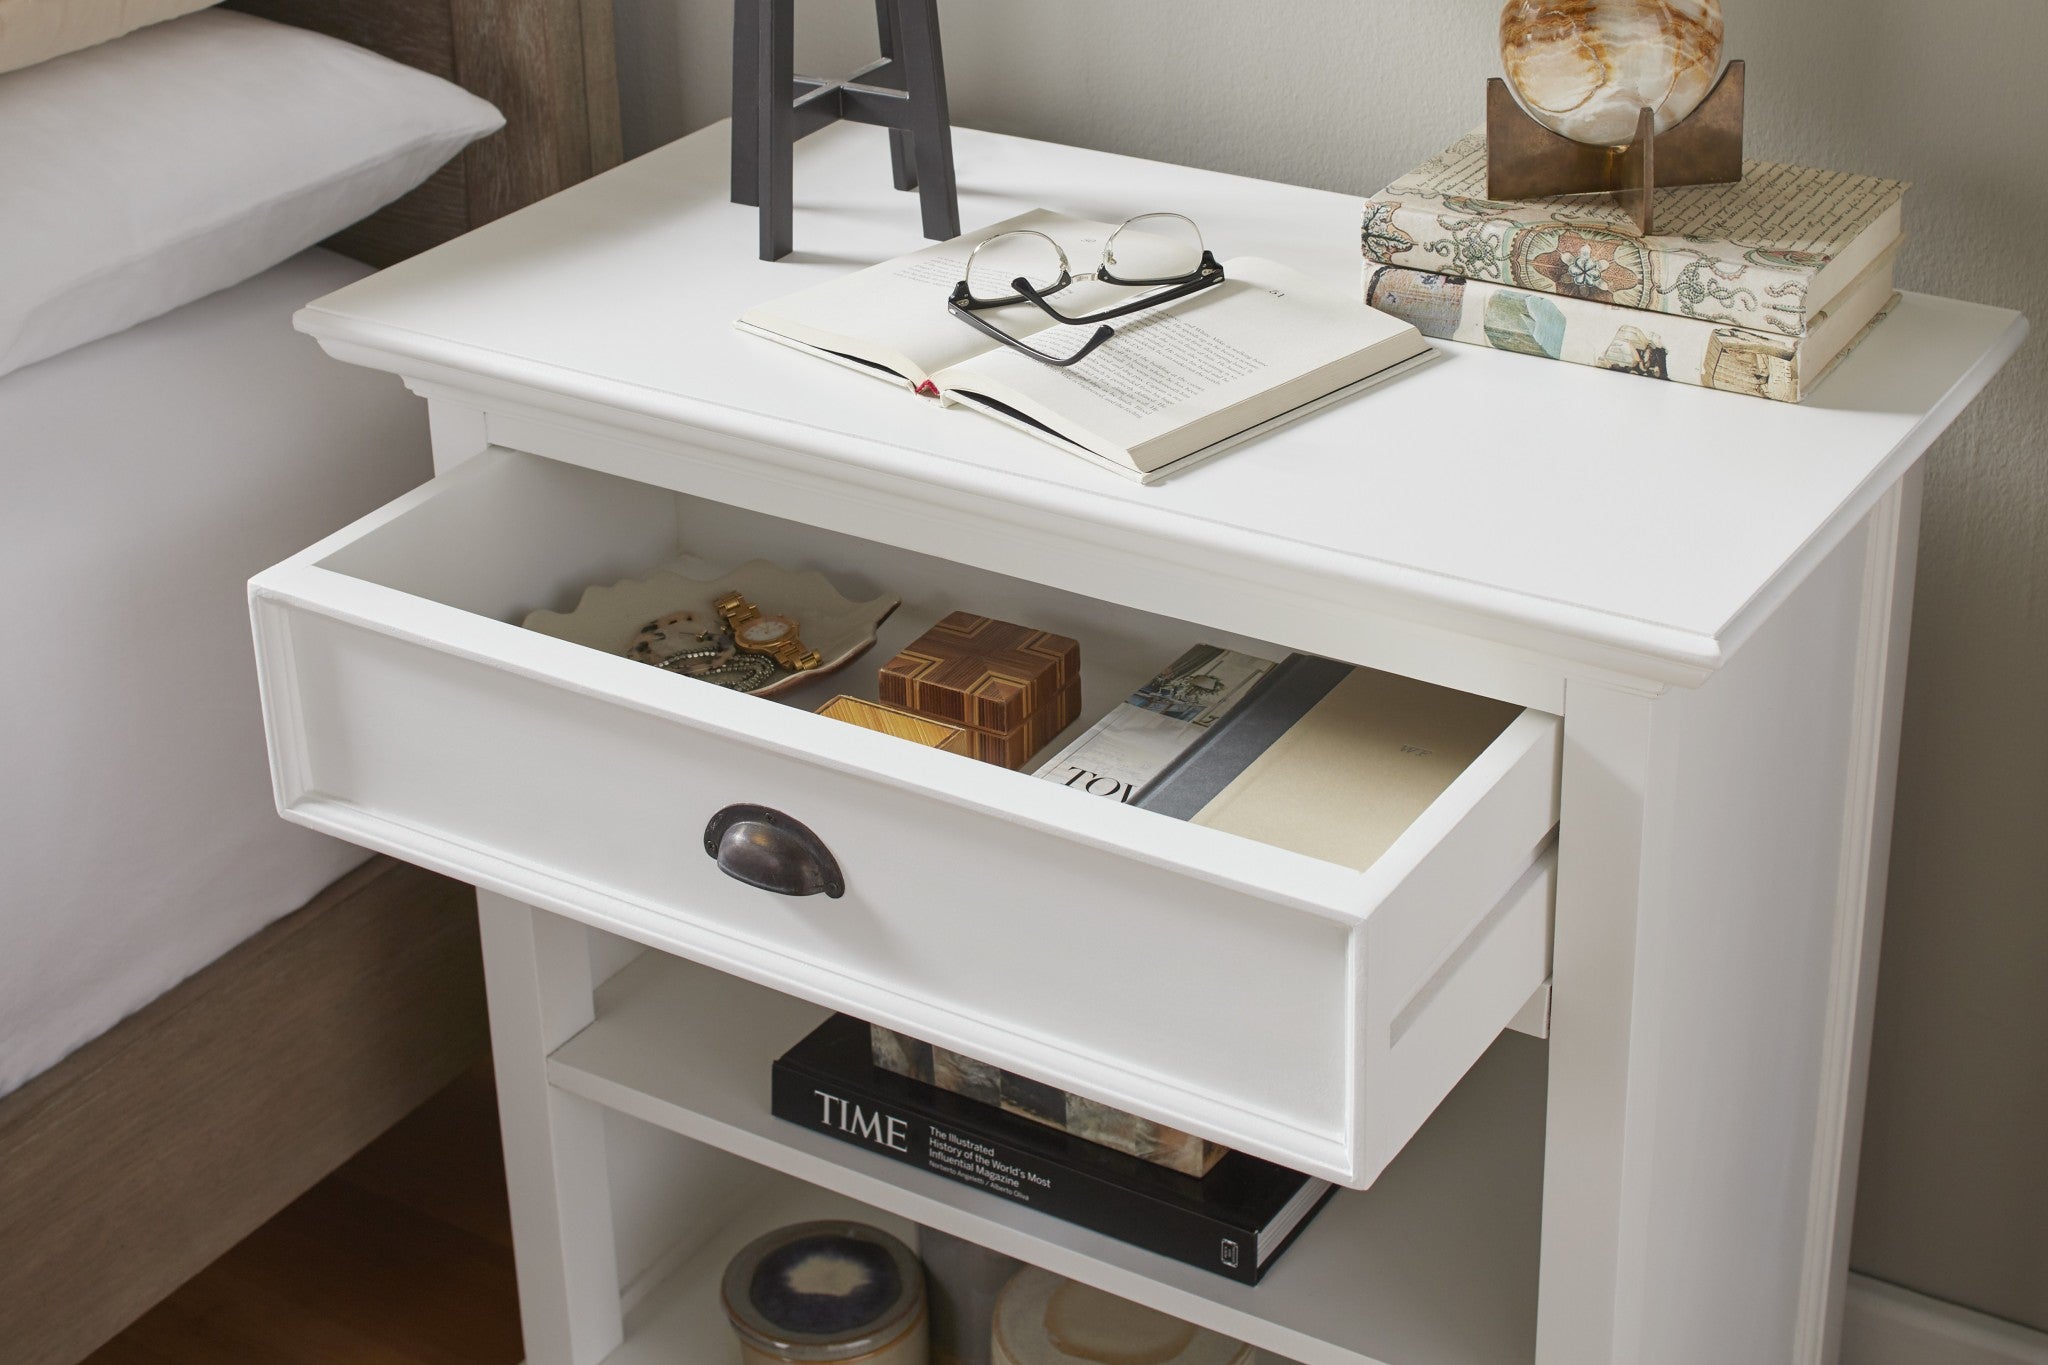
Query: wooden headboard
[[548, 64]]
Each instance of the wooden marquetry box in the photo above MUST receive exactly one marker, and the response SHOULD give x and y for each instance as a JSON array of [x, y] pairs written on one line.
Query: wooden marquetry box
[[1013, 688]]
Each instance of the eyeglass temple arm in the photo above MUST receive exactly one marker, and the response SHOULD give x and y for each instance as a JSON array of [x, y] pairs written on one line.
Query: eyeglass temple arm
[[1101, 335]]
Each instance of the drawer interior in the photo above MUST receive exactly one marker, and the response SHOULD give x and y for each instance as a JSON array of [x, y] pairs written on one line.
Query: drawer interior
[[539, 535], [512, 533]]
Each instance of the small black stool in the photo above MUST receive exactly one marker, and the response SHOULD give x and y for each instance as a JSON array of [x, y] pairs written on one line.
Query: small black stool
[[773, 107]]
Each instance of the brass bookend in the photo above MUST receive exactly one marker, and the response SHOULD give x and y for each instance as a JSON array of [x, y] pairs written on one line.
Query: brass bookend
[[1525, 160]]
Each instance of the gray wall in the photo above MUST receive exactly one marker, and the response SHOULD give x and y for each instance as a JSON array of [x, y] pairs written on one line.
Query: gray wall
[[1344, 94]]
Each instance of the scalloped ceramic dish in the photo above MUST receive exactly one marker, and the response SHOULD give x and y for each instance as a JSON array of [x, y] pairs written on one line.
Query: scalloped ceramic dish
[[610, 615]]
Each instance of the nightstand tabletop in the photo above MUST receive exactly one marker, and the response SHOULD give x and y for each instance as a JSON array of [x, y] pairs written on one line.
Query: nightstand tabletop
[[1537, 504]]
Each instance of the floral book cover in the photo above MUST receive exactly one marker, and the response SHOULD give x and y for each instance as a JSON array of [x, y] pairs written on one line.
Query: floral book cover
[[1741, 255]]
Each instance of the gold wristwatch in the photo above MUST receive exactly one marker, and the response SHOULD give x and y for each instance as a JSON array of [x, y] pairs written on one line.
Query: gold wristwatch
[[774, 636]]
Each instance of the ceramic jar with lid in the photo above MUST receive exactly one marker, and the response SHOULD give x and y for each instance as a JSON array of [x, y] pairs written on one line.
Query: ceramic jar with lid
[[1044, 1319], [835, 1292]]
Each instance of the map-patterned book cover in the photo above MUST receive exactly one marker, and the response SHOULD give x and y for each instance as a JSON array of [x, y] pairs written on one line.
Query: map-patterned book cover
[[1583, 332], [1741, 255]]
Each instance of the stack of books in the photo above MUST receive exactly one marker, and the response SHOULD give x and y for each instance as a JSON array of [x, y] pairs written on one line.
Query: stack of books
[[1757, 288], [1028, 1143]]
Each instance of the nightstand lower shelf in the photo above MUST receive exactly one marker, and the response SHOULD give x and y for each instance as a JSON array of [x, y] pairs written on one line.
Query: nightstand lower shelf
[[1434, 1265], [681, 1320]]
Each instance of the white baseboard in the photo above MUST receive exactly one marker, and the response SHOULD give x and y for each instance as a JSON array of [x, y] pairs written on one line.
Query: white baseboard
[[1885, 1325]]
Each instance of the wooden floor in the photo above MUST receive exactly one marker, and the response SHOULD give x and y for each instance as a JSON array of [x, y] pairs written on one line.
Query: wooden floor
[[401, 1257]]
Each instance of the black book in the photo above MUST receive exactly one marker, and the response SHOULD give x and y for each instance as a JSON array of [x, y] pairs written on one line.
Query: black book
[[1235, 1221]]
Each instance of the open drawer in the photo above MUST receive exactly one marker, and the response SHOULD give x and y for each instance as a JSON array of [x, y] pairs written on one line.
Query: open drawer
[[1290, 1007]]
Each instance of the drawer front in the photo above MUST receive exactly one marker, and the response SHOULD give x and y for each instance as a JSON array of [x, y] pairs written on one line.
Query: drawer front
[[1282, 1005]]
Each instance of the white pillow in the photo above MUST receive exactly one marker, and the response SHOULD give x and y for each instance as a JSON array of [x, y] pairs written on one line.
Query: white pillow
[[34, 31], [185, 157]]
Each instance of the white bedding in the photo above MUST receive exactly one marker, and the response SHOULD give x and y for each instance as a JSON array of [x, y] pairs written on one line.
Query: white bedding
[[143, 479], [152, 170]]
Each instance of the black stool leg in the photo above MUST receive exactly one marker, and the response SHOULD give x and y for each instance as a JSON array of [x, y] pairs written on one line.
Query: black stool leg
[[931, 134], [746, 101], [775, 72], [889, 27]]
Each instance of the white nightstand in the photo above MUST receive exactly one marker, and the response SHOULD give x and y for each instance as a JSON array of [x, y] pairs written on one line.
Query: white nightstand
[[1672, 863]]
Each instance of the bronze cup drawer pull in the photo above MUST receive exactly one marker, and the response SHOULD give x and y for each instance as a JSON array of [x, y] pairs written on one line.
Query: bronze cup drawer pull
[[765, 848]]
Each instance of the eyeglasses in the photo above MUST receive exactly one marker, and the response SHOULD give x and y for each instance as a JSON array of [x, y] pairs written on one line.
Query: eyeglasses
[[1159, 252]]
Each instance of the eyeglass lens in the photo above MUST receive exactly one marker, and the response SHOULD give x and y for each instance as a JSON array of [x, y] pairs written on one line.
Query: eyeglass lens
[[999, 262], [1153, 248]]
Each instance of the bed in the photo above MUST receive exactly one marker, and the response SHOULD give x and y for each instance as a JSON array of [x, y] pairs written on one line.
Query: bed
[[204, 1010]]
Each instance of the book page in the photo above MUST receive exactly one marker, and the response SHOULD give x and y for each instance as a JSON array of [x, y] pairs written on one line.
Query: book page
[[894, 314], [1268, 337]]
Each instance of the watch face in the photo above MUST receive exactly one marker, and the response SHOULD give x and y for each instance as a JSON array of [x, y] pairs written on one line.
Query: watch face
[[766, 630]]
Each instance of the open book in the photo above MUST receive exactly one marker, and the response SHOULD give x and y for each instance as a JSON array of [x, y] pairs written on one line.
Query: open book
[[1175, 385]]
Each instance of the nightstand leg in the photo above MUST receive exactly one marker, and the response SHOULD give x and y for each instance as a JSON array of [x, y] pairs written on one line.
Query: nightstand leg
[[1592, 1202], [458, 431], [1720, 884], [537, 973]]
